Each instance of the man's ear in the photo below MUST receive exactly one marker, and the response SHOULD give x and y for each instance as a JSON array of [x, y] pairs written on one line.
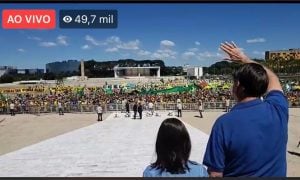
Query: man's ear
[[237, 83], [240, 90]]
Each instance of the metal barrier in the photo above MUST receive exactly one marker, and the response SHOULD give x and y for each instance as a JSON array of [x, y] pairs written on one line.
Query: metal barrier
[[35, 109], [69, 108]]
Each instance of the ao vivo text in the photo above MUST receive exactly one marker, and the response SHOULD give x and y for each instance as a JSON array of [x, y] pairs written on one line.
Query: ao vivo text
[[28, 19]]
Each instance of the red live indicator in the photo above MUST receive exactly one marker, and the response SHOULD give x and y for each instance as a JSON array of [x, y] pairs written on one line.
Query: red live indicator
[[28, 19]]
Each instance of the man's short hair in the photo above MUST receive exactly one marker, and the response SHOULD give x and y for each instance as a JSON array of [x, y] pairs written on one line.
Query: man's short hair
[[253, 77]]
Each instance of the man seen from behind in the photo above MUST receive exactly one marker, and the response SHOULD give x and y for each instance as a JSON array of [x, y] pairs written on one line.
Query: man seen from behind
[[251, 139]]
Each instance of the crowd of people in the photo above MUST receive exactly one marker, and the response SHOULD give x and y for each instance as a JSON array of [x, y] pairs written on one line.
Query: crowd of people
[[67, 96], [209, 90], [214, 89]]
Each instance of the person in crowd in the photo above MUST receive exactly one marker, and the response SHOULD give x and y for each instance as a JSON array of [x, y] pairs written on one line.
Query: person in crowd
[[251, 139], [99, 112], [140, 110], [104, 104], [60, 108], [179, 109], [127, 107], [123, 108], [200, 107], [150, 106], [173, 148], [23, 106], [135, 109], [12, 108], [227, 103]]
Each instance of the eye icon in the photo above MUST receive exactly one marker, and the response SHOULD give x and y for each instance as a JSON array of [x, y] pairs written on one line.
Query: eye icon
[[67, 19]]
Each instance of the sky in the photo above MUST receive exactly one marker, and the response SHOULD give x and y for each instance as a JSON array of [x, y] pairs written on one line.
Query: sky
[[178, 34]]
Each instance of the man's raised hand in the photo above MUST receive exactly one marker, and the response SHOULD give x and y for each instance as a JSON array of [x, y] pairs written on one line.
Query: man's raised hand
[[234, 52]]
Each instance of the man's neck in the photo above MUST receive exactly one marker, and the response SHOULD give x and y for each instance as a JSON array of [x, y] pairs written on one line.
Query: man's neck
[[247, 99]]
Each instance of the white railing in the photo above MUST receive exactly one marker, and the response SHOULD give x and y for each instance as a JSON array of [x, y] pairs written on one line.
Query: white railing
[[68, 108]]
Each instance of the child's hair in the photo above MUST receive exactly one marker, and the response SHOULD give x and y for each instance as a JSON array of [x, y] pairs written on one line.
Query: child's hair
[[173, 147]]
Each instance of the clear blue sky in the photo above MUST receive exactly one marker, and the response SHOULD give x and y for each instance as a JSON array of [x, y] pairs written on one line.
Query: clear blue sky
[[176, 33]]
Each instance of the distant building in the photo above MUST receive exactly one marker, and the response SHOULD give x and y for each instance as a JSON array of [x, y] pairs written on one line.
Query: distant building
[[21, 71], [63, 67], [136, 71], [283, 54], [30, 71], [185, 67], [7, 70], [195, 72], [14, 71]]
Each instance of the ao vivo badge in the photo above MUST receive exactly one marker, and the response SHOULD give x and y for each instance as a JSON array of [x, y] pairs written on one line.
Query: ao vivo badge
[[28, 19]]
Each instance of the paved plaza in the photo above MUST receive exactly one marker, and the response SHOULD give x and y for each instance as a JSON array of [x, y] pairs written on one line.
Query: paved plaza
[[116, 147]]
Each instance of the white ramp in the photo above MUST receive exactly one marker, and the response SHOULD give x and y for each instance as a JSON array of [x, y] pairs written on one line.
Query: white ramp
[[116, 147]]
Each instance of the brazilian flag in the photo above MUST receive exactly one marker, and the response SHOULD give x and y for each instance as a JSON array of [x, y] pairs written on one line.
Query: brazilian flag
[[108, 91]]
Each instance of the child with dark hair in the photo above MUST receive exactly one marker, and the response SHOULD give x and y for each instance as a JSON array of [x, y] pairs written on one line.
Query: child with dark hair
[[173, 148]]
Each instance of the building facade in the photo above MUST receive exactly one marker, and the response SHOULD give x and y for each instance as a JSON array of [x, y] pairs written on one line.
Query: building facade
[[136, 71], [283, 54], [7, 70], [63, 67], [195, 72], [30, 71]]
